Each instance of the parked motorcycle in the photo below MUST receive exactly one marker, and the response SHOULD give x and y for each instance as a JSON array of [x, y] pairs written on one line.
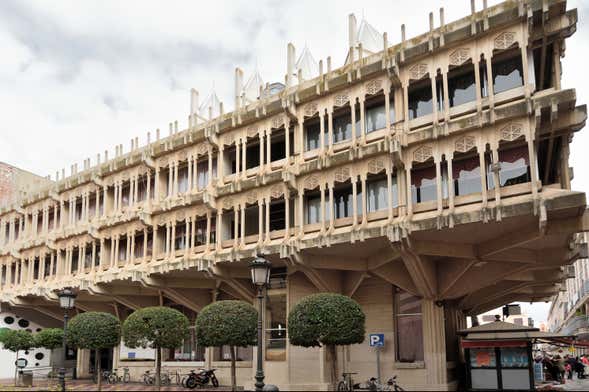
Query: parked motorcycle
[[201, 379]]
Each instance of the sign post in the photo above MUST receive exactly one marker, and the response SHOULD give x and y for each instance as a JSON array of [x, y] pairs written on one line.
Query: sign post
[[377, 341]]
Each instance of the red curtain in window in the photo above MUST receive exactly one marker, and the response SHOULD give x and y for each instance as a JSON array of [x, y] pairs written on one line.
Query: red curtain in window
[[426, 173], [513, 154], [468, 164]]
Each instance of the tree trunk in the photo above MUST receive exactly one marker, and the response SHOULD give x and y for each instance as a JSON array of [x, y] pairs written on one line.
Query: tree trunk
[[15, 369], [233, 378], [97, 369], [331, 350], [158, 367]]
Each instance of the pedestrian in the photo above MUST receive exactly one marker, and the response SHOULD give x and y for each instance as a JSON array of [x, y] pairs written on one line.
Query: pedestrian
[[561, 370], [579, 368]]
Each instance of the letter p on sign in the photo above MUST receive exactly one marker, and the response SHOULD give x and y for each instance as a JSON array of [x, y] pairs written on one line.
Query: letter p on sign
[[376, 340]]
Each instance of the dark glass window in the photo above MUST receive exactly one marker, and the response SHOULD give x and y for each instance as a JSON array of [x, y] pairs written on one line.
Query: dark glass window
[[507, 74], [462, 86], [408, 327], [342, 127], [420, 100], [466, 174]]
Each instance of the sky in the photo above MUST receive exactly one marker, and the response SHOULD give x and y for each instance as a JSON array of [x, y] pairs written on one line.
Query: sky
[[78, 78]]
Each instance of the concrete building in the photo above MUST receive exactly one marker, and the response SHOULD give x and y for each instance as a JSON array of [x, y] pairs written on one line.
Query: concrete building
[[16, 184], [428, 180], [570, 306]]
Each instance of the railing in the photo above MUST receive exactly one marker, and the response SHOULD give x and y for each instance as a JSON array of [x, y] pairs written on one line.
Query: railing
[[575, 324]]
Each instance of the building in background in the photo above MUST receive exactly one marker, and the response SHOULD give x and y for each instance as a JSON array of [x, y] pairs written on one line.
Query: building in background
[[515, 316], [569, 311], [428, 180], [16, 184]]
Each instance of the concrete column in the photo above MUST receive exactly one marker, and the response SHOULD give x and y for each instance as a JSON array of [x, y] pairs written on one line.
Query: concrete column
[[446, 96], [355, 201], [390, 193], [176, 164], [243, 225], [235, 225], [362, 121], [408, 191], [269, 148], [83, 363], [439, 184], [331, 208], [322, 132], [322, 190], [330, 129], [301, 222], [260, 220], [451, 183], [237, 158], [387, 109], [131, 247], [190, 162], [261, 136], [481, 152], [286, 216], [353, 116], [210, 171], [219, 228], [173, 240], [268, 201], [220, 165], [364, 201], [434, 97], [287, 140], [434, 344], [244, 155]]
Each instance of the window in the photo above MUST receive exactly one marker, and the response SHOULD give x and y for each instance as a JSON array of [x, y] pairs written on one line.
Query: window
[[423, 184], [202, 174], [466, 174], [47, 270], [190, 350], [277, 215], [408, 327], [75, 260], [276, 327], [420, 99], [36, 268], [88, 256], [180, 240], [377, 195], [252, 155], [342, 127], [200, 232], [312, 133], [278, 145], [139, 244], [342, 202], [507, 74], [183, 179], [514, 167], [124, 195], [122, 256], [313, 209], [462, 85], [375, 117], [224, 353]]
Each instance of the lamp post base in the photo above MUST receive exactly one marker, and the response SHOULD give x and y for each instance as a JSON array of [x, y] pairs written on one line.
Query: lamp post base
[[61, 378]]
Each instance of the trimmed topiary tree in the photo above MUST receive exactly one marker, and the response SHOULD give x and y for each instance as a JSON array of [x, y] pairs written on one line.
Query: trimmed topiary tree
[[49, 338], [157, 327], [326, 319], [228, 323], [15, 341], [94, 331]]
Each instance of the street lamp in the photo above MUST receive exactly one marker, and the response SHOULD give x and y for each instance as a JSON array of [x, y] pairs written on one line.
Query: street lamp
[[67, 299], [260, 269]]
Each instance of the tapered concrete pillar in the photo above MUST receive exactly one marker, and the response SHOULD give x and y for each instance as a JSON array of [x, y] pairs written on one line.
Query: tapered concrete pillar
[[434, 345], [83, 363]]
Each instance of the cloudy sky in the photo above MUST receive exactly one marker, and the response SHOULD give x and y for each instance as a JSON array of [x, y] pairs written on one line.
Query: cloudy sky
[[77, 78]]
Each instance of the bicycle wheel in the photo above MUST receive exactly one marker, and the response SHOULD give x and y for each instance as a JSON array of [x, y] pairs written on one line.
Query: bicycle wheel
[[214, 381], [342, 386], [112, 379]]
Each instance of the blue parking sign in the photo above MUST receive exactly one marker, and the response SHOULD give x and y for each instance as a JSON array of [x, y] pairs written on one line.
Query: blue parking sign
[[376, 340]]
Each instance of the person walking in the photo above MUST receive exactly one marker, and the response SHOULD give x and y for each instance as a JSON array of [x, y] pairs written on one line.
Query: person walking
[[561, 369]]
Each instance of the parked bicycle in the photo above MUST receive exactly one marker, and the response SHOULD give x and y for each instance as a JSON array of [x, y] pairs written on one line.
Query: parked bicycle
[[201, 379], [148, 378], [114, 378], [105, 374], [347, 384]]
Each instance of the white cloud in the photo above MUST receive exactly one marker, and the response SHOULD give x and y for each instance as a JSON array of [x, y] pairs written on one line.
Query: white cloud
[[77, 78]]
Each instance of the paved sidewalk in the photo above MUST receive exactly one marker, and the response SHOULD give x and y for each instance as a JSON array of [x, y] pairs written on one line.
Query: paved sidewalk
[[87, 385]]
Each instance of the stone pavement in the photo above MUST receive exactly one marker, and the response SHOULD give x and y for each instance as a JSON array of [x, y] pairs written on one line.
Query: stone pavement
[[576, 385], [87, 385]]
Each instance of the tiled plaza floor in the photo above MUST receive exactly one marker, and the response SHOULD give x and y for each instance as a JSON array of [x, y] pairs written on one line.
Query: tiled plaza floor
[[86, 385]]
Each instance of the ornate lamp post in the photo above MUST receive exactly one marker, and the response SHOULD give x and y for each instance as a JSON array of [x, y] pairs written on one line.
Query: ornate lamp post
[[260, 269], [67, 299]]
